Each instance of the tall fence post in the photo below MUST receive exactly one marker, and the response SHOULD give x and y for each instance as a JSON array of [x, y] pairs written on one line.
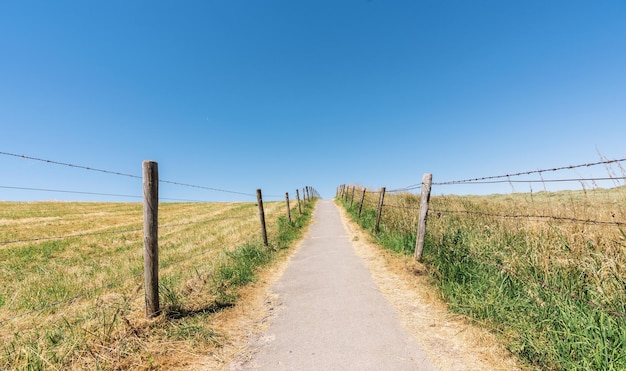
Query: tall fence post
[[380, 210], [308, 194], [151, 236], [352, 198], [427, 181], [361, 203], [298, 197], [288, 208], [259, 199]]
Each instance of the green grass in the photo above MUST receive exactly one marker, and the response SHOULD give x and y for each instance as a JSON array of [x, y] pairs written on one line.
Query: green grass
[[554, 291], [77, 303]]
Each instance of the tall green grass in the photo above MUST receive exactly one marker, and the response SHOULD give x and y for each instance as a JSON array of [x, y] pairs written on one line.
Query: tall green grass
[[554, 290]]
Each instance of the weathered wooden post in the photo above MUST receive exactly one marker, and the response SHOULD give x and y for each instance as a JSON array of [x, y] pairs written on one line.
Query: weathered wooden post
[[352, 198], [298, 197], [151, 237], [308, 194], [361, 203], [259, 198], [288, 209], [427, 181], [380, 210]]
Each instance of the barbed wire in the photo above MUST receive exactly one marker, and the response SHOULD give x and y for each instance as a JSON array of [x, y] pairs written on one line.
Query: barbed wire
[[406, 189], [69, 191], [401, 207], [530, 216], [71, 165], [165, 226], [71, 236], [209, 188], [97, 194], [126, 175], [471, 180], [542, 180]]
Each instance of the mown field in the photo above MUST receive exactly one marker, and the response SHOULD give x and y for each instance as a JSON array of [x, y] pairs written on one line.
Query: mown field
[[77, 302], [544, 271]]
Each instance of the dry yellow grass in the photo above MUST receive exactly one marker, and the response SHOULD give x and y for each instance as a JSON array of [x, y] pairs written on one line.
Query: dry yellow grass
[[546, 270], [77, 302]]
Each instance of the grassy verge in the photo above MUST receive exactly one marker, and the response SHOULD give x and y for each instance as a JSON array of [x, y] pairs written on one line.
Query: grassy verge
[[554, 290], [77, 303]]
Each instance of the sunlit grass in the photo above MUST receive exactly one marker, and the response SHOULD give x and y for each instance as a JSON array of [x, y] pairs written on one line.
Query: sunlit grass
[[535, 268], [77, 302]]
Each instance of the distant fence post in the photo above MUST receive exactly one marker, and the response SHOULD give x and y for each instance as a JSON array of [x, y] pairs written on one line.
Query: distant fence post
[[298, 197], [427, 180], [380, 209], [308, 194], [352, 198], [151, 236], [259, 198], [288, 208], [361, 203]]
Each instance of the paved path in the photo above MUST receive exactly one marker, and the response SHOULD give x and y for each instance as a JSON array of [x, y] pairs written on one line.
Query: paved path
[[332, 315]]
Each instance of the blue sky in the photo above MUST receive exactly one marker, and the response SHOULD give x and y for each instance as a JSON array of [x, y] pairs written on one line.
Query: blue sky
[[240, 95]]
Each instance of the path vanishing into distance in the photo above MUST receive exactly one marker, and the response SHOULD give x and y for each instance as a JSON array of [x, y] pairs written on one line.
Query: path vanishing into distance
[[332, 315]]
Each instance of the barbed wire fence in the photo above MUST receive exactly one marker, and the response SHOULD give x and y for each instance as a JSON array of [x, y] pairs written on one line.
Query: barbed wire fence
[[408, 205], [308, 193]]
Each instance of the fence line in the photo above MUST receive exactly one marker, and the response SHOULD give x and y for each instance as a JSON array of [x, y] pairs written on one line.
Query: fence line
[[70, 165], [93, 193], [70, 236], [150, 213], [89, 168], [537, 181], [530, 216], [471, 180], [506, 179]]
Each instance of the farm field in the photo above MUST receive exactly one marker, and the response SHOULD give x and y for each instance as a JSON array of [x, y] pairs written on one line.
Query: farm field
[[71, 279], [546, 271]]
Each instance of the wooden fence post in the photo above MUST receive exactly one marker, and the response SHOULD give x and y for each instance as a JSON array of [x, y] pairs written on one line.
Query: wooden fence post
[[288, 209], [298, 197], [259, 199], [361, 203], [352, 198], [151, 237], [427, 180], [380, 210]]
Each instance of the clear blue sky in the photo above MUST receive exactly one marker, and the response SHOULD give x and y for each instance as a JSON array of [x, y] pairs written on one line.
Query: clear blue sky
[[276, 95]]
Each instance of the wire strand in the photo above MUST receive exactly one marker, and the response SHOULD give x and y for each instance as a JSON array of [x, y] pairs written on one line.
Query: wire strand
[[471, 180], [70, 165], [530, 216], [542, 180]]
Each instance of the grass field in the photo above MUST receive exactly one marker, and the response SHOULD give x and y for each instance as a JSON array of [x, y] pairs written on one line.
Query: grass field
[[537, 269], [77, 302]]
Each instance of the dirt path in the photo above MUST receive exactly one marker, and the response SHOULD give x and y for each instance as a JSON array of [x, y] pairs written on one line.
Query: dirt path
[[342, 303], [332, 315]]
